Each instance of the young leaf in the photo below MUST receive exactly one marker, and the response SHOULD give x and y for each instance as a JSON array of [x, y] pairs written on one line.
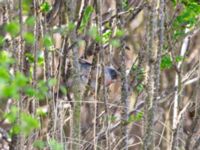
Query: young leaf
[[94, 34], [47, 41], [179, 58], [28, 123], [13, 28], [54, 145], [39, 144], [1, 40], [106, 36], [30, 21], [166, 62], [45, 7], [86, 17], [29, 38], [115, 43]]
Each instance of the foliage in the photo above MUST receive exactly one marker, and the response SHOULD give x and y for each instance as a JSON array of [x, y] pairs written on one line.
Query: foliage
[[13, 28], [45, 7], [54, 145], [166, 62], [14, 86], [86, 17], [188, 18], [35, 68], [29, 38], [22, 122], [125, 4]]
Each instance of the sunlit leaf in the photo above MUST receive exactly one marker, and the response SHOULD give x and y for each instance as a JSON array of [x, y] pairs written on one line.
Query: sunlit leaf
[[179, 58], [47, 41], [1, 40], [26, 6], [39, 144], [86, 17], [30, 21], [11, 116], [28, 123], [106, 36], [94, 34], [119, 33], [166, 62], [29, 38], [52, 82], [54, 145], [20, 80], [115, 43], [140, 88], [13, 28], [30, 57], [45, 7]]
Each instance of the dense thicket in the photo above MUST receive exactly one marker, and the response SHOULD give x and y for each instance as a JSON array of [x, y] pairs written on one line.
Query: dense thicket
[[99, 74]]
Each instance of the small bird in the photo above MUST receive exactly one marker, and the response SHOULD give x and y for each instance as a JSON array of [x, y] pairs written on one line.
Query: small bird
[[110, 76], [110, 73]]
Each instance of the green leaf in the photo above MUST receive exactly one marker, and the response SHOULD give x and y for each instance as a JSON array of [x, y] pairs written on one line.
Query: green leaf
[[30, 91], [112, 118], [115, 43], [41, 111], [42, 90], [166, 62], [4, 74], [5, 59], [86, 17], [187, 18], [28, 123], [54, 145], [94, 34], [39, 144], [45, 7], [63, 90], [1, 40], [29, 38], [195, 7], [134, 118], [71, 26], [15, 129], [30, 57], [10, 91], [179, 58], [41, 59], [174, 2], [120, 33], [13, 28], [30, 21], [140, 87], [106, 36], [12, 115], [52, 82], [20, 80], [26, 6], [125, 4], [47, 41]]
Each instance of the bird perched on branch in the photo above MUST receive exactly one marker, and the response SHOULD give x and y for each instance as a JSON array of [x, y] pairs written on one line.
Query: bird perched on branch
[[110, 74]]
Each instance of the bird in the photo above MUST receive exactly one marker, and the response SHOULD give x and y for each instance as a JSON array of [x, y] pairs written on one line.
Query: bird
[[110, 73]]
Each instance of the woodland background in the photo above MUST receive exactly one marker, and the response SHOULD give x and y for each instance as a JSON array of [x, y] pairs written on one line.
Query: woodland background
[[153, 45]]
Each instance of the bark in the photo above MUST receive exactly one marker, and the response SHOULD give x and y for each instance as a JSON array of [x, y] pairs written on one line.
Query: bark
[[124, 85], [76, 89]]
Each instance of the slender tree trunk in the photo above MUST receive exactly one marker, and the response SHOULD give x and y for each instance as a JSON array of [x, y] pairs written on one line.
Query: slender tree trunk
[[73, 10]]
